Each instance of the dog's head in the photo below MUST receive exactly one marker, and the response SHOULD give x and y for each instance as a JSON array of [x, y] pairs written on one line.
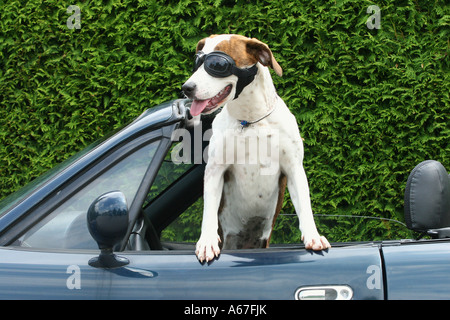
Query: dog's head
[[224, 65]]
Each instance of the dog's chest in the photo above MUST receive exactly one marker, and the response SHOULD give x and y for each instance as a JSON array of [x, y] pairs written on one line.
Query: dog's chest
[[245, 184], [252, 155], [248, 206]]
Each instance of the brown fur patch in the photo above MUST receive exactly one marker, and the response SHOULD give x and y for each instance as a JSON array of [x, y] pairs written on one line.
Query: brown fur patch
[[200, 45], [226, 177], [263, 54], [236, 48], [245, 52], [282, 185]]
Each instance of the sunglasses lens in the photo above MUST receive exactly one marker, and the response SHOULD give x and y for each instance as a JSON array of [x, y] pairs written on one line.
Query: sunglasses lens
[[218, 66]]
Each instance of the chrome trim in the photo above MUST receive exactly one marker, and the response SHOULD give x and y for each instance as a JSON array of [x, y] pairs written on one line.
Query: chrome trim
[[329, 292]]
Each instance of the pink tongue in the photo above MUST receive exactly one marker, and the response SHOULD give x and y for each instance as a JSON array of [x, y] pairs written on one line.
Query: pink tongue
[[198, 106]]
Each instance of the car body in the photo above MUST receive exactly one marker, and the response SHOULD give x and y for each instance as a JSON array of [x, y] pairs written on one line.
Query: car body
[[46, 246]]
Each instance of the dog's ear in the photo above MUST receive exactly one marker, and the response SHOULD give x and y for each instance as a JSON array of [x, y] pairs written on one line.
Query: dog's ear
[[263, 54], [200, 45]]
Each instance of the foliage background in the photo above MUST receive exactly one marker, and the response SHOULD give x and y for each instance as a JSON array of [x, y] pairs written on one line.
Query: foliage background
[[371, 104]]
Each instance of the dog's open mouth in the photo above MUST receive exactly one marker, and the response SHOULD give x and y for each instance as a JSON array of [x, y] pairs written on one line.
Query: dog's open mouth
[[199, 106]]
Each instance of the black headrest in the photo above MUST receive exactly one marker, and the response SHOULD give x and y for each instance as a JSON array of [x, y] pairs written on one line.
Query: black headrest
[[427, 197]]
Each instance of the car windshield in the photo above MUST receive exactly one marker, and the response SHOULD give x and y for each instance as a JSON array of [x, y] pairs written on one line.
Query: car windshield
[[23, 192], [65, 227], [155, 115]]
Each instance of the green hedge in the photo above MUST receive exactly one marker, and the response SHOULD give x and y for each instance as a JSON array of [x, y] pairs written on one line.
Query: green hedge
[[371, 103]]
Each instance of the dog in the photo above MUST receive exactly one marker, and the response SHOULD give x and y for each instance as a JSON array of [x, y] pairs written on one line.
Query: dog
[[241, 203]]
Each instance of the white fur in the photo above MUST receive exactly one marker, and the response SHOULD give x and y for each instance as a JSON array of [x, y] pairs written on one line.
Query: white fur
[[207, 85], [250, 191]]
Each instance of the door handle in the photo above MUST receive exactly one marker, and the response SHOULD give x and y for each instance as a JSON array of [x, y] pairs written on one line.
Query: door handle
[[331, 292]]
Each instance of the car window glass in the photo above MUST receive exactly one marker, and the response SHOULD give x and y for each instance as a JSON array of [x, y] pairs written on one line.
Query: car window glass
[[37, 182], [167, 174], [66, 227]]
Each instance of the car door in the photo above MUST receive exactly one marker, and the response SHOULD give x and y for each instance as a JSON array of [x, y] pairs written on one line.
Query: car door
[[288, 273], [46, 251], [50, 260], [344, 272], [280, 272], [49, 274]]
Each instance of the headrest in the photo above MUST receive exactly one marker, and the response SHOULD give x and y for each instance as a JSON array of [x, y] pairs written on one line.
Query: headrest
[[427, 197]]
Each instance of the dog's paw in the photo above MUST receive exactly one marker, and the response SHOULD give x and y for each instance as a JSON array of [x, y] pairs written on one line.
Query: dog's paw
[[207, 248], [316, 242]]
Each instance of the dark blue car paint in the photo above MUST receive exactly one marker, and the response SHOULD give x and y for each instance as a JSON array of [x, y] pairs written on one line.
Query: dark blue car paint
[[418, 270], [392, 270], [246, 274]]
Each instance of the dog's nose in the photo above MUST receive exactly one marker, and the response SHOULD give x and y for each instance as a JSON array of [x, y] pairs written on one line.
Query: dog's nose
[[189, 89]]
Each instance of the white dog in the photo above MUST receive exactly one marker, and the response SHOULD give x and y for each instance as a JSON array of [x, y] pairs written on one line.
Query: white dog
[[254, 150]]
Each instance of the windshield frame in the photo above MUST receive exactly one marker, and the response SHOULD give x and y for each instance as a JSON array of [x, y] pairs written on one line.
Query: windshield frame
[[152, 118], [53, 178], [15, 198]]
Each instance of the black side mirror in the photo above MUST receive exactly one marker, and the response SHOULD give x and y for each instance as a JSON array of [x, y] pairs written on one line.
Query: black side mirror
[[107, 221]]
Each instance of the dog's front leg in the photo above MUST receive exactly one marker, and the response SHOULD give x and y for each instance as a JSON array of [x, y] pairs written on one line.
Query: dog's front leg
[[298, 189], [208, 244]]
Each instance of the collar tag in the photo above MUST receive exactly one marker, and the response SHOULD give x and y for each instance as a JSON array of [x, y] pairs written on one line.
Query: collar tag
[[245, 123]]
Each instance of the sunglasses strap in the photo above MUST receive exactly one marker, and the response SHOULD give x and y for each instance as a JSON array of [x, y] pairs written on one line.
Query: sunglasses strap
[[245, 77]]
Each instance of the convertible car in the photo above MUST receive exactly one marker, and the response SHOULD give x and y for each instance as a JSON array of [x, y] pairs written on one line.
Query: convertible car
[[105, 225]]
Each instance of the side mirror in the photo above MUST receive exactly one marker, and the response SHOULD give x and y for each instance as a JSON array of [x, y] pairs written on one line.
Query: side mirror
[[107, 221]]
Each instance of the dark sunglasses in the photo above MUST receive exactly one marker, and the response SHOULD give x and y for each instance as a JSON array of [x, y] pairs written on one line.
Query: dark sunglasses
[[220, 65]]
